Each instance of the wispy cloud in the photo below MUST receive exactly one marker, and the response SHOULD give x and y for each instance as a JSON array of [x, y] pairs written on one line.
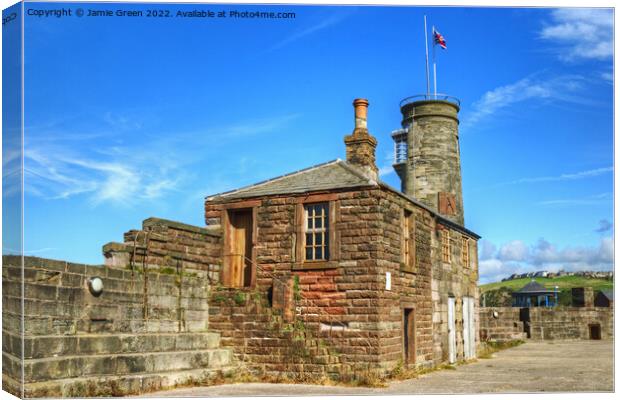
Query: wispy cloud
[[326, 23], [253, 127], [127, 172], [603, 198], [564, 177], [537, 88], [386, 168], [581, 33]]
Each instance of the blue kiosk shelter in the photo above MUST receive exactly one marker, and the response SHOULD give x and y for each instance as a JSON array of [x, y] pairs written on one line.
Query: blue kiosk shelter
[[535, 295]]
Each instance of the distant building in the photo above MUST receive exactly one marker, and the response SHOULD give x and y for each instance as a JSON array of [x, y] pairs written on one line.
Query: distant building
[[535, 295]]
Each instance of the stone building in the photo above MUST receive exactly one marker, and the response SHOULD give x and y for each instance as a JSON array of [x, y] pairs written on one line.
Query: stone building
[[358, 275]]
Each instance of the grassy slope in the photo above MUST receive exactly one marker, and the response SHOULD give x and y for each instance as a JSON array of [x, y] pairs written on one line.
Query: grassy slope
[[563, 282]]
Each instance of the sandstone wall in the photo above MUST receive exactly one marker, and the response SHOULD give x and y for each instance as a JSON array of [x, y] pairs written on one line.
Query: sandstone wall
[[342, 312], [452, 279], [342, 299], [165, 243], [147, 330]]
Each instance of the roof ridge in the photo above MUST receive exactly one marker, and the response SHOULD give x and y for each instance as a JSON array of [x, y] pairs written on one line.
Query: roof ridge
[[356, 172], [273, 179]]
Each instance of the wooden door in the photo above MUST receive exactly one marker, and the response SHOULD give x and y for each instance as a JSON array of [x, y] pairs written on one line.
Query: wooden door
[[239, 264], [409, 336]]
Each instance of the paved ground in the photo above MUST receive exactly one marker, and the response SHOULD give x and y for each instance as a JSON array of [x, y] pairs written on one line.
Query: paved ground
[[572, 366]]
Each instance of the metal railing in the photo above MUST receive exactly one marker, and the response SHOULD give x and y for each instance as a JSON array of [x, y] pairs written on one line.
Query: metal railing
[[433, 96]]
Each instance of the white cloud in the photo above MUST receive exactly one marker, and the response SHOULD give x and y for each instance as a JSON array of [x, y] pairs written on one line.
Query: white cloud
[[517, 257], [558, 88], [487, 249], [515, 250], [581, 33]]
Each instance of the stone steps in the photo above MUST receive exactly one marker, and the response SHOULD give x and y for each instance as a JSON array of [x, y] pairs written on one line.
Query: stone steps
[[113, 385], [64, 367], [98, 344]]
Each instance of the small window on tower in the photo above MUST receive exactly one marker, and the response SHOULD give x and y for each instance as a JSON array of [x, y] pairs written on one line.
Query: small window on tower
[[400, 146], [401, 150]]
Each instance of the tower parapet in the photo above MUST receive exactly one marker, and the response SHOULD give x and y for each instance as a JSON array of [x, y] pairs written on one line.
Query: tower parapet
[[431, 170]]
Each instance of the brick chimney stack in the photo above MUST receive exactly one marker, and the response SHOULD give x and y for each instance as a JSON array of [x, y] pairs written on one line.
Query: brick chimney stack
[[360, 144]]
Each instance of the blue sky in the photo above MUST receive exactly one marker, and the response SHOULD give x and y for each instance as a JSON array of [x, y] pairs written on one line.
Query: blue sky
[[127, 118]]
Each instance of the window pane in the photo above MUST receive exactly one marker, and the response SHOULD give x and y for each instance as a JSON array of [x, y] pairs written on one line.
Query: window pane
[[319, 239], [309, 241], [309, 253], [326, 251], [318, 253], [326, 219], [318, 222]]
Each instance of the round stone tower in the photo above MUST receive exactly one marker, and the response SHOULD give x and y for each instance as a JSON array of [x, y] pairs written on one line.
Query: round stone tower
[[431, 169]]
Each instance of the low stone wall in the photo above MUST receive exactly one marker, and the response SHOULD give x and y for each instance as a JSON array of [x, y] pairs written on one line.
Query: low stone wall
[[506, 325], [570, 323], [542, 323], [147, 330]]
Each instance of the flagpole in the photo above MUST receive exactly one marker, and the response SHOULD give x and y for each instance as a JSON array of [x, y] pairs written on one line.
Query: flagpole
[[434, 65], [428, 81]]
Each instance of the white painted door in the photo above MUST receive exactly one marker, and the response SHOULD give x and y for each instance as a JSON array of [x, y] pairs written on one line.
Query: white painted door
[[472, 329], [466, 349], [469, 330], [451, 331]]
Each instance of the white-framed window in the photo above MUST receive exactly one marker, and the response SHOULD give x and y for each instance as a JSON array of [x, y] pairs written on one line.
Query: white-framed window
[[316, 244], [465, 251]]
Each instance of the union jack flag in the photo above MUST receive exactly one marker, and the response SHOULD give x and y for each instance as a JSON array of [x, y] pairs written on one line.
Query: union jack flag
[[439, 39]]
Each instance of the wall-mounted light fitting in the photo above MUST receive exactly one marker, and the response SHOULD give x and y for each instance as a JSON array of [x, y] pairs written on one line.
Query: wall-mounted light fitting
[[95, 286]]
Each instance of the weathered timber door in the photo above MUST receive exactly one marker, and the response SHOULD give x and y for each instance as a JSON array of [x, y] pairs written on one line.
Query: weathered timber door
[[469, 332], [409, 336], [239, 254], [451, 331]]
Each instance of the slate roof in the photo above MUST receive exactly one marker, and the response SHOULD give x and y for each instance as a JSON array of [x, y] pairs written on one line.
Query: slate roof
[[609, 294], [336, 174], [534, 287], [332, 175]]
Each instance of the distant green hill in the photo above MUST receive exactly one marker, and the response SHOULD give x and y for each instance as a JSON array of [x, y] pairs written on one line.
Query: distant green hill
[[498, 294], [563, 282]]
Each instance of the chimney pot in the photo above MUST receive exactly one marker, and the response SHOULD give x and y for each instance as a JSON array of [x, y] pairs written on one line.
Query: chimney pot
[[361, 113]]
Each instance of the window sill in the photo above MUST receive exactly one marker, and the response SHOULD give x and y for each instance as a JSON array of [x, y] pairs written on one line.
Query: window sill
[[315, 265], [407, 270]]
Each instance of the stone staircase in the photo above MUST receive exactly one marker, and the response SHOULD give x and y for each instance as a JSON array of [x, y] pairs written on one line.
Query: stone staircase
[[64, 356], [84, 367]]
